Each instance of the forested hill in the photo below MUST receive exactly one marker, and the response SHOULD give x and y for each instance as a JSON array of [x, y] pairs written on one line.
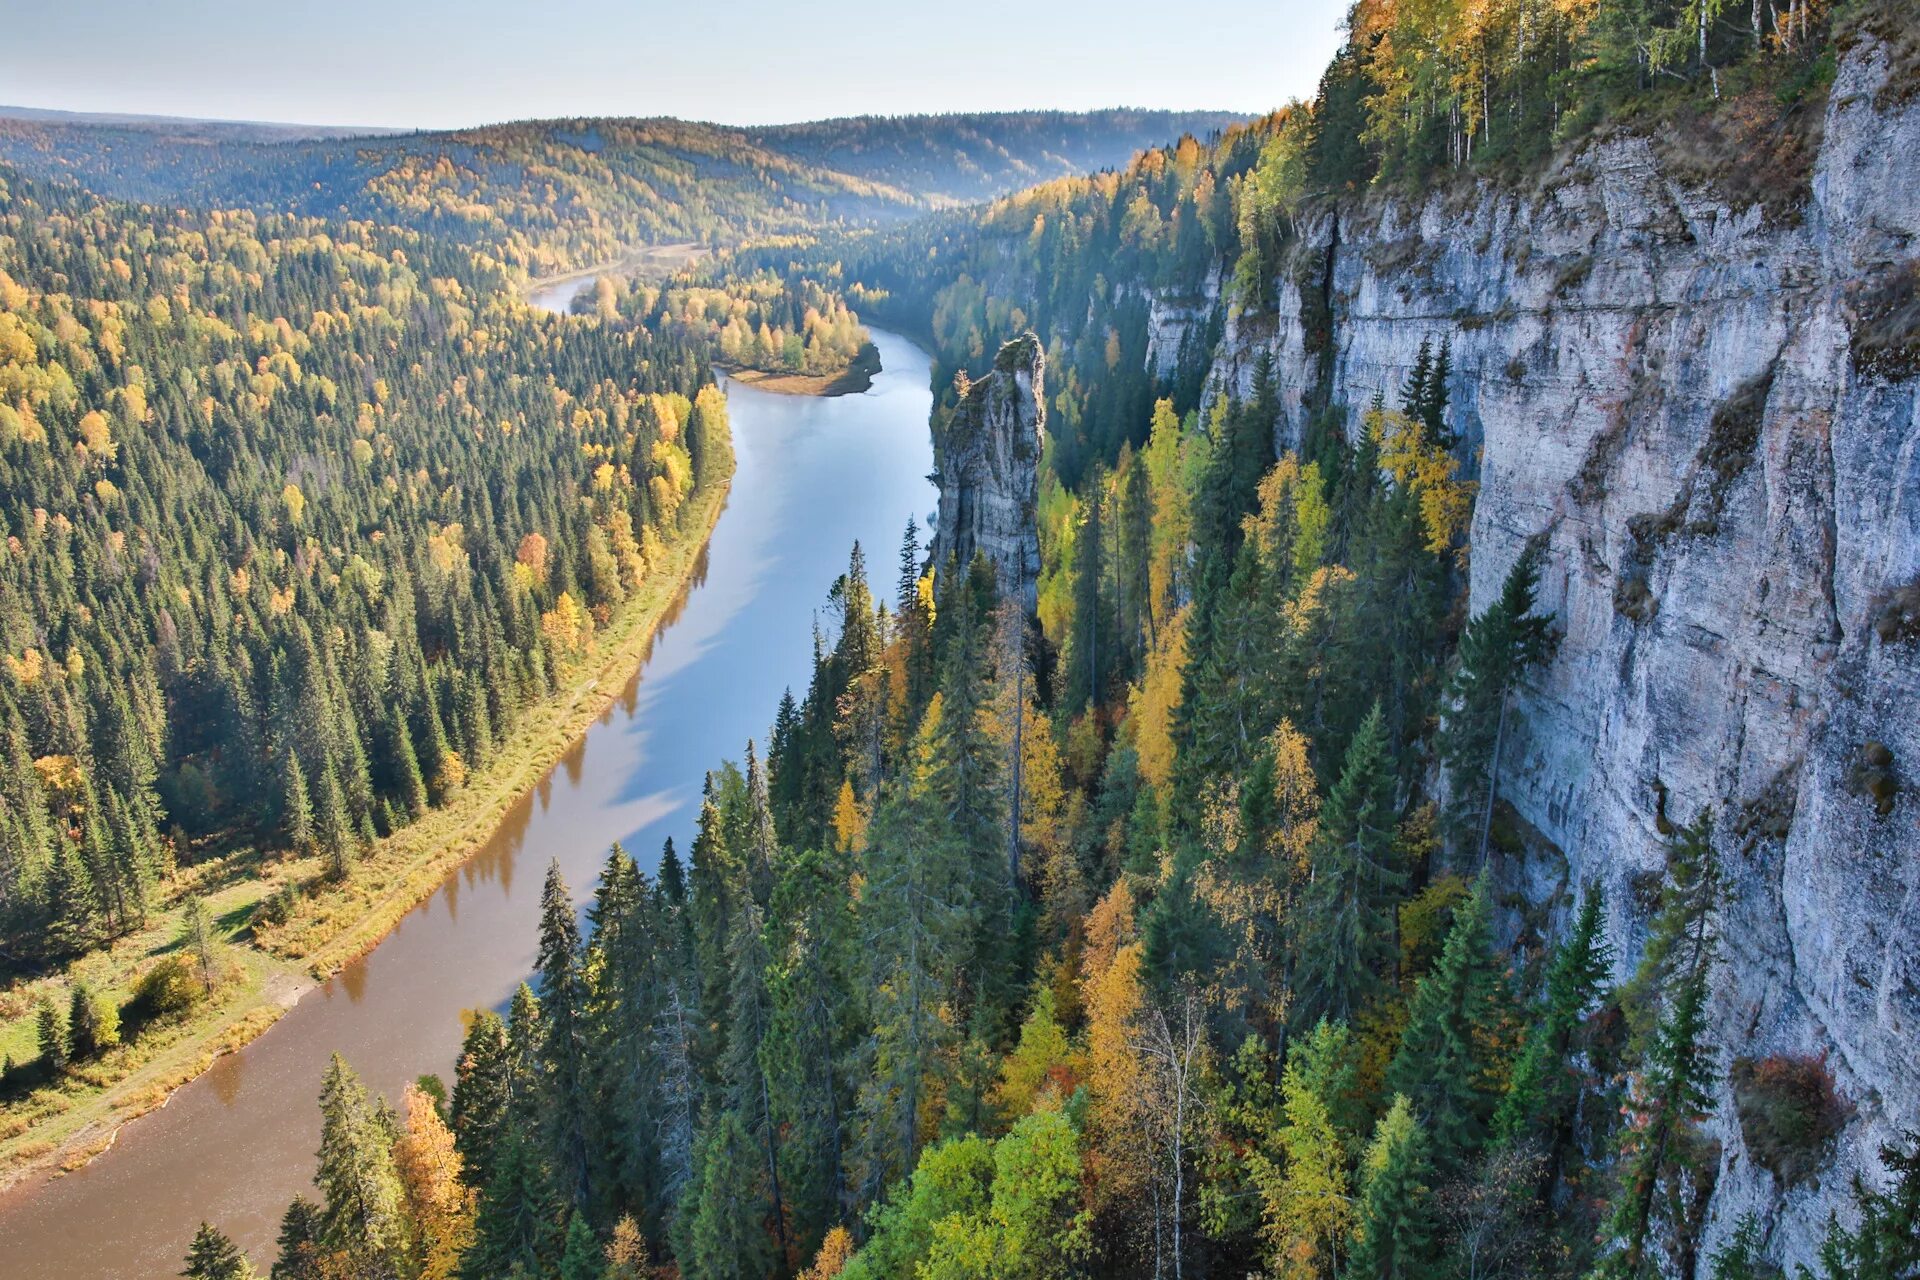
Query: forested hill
[[297, 519], [949, 159], [553, 195]]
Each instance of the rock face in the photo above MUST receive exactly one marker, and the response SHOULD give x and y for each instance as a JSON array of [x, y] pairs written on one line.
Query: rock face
[[986, 458], [1712, 414]]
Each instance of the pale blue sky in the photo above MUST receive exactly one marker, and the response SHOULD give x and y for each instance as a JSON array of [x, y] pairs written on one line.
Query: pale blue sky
[[439, 63]]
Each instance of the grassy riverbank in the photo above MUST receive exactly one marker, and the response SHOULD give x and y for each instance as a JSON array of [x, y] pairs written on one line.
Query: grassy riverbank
[[265, 970]]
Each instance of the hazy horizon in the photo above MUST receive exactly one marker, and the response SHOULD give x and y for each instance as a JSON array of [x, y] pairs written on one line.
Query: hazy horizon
[[431, 65], [24, 111]]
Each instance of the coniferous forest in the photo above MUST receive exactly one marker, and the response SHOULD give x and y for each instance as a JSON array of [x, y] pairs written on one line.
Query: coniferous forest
[[1173, 920]]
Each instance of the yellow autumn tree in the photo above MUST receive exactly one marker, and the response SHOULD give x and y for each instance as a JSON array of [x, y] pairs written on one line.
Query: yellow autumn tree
[[568, 624], [440, 1206], [1426, 470]]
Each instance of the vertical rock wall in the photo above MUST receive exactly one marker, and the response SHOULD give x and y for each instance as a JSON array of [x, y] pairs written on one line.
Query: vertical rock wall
[[1711, 412], [986, 457]]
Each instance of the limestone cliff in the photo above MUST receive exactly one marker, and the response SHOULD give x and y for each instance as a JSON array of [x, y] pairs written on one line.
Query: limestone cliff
[[986, 458], [1710, 409]]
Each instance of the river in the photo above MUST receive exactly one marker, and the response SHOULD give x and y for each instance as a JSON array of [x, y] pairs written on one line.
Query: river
[[234, 1146]]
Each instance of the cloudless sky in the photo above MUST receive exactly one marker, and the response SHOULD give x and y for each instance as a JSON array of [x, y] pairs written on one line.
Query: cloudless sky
[[435, 63]]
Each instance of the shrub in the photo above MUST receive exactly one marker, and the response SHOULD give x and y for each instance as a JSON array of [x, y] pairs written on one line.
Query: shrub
[[171, 987], [1789, 1112]]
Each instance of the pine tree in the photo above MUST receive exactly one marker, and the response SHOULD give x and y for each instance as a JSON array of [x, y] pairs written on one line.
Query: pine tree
[[1446, 1064], [212, 1256], [1396, 1214], [1496, 650], [1344, 928]]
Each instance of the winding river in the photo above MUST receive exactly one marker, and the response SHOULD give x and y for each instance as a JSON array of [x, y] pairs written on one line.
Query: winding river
[[237, 1144]]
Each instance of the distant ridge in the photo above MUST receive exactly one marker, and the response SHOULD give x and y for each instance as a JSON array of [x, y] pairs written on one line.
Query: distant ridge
[[196, 126]]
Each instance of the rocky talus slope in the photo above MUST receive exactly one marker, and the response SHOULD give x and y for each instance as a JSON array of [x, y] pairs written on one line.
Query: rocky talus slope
[[1711, 413], [986, 459]]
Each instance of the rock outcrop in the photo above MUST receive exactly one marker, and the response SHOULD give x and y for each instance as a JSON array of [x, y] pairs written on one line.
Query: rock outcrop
[[986, 458], [1711, 412]]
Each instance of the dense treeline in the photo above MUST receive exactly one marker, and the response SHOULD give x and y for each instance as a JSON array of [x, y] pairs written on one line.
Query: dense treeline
[[298, 517], [988, 968], [774, 323], [557, 195]]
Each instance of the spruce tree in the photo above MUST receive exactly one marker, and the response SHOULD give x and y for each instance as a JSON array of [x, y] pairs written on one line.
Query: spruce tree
[[1742, 1257], [212, 1256], [1344, 927], [298, 1243], [749, 1094], [1397, 1224], [1672, 1090], [51, 1031], [581, 1259], [1544, 1088], [1886, 1243], [482, 1091], [1496, 650], [362, 1212], [724, 1234], [1446, 1063], [567, 1101], [516, 1230], [93, 1021]]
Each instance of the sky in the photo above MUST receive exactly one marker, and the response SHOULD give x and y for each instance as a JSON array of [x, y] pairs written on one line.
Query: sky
[[440, 63]]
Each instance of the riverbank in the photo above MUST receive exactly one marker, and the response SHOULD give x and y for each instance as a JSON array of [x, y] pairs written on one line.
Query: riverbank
[[61, 1126], [857, 377], [656, 261]]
